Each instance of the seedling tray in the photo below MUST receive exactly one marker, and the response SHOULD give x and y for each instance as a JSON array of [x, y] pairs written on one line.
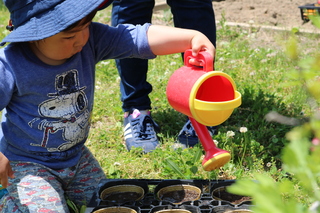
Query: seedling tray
[[151, 203], [309, 10]]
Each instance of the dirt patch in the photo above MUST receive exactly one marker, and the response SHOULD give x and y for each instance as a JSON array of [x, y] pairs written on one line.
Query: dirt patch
[[282, 14], [266, 18], [272, 13]]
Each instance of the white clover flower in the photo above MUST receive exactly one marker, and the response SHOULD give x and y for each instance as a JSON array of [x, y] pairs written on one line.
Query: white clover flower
[[117, 164], [105, 62], [243, 129], [257, 50], [269, 55], [230, 134], [173, 63], [269, 164], [178, 145], [216, 142], [252, 73]]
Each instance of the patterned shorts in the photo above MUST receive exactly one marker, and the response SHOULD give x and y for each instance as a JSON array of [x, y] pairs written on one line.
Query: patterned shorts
[[37, 188]]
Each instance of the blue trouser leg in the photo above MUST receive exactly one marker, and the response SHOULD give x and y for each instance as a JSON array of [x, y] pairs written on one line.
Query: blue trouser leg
[[195, 14], [190, 14], [134, 87]]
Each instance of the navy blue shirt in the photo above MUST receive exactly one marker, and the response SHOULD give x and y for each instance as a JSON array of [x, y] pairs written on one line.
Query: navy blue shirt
[[47, 109]]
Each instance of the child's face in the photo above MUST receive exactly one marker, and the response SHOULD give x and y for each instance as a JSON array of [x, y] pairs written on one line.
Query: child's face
[[56, 49]]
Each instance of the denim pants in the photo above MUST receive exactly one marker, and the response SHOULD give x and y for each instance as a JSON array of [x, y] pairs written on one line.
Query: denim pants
[[190, 14], [37, 188]]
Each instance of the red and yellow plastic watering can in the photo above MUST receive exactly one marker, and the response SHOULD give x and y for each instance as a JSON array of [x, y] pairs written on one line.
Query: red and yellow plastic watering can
[[208, 98]]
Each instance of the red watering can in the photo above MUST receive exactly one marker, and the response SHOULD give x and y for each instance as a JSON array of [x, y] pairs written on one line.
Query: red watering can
[[208, 98]]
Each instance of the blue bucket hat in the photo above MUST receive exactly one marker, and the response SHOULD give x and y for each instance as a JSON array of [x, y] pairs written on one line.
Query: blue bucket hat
[[38, 19]]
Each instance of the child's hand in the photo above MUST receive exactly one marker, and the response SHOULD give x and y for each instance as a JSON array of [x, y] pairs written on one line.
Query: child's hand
[[201, 43], [5, 170], [165, 40]]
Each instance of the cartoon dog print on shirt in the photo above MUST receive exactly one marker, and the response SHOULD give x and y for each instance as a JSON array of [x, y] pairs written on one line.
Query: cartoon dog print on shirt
[[69, 105]]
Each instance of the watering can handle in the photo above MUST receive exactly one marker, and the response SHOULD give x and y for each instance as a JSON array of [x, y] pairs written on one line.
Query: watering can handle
[[202, 56]]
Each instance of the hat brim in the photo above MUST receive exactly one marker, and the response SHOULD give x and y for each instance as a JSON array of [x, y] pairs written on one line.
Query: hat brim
[[55, 20]]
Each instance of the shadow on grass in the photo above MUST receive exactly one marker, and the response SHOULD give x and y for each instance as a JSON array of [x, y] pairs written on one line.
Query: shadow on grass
[[251, 114]]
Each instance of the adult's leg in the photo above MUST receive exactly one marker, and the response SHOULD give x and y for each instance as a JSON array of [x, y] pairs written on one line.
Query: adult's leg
[[195, 14], [139, 128], [133, 72]]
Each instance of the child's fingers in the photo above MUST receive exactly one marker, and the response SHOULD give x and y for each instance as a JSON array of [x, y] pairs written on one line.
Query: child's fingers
[[10, 172], [196, 50], [4, 181], [195, 62]]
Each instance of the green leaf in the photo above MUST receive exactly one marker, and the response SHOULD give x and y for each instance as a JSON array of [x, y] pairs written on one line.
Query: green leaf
[[174, 167], [197, 155], [111, 169], [194, 169], [315, 20], [292, 48], [73, 208], [83, 209], [294, 30]]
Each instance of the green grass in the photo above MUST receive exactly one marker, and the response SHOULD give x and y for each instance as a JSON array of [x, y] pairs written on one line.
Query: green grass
[[4, 20], [265, 76], [262, 76]]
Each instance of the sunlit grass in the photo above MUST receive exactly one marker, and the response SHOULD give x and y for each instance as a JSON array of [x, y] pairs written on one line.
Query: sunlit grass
[[263, 75]]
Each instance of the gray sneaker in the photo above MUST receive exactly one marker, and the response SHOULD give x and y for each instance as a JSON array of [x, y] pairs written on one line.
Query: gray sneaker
[[188, 136], [140, 130]]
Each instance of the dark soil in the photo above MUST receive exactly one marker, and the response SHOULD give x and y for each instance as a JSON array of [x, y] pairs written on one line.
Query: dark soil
[[180, 196], [222, 194], [122, 197]]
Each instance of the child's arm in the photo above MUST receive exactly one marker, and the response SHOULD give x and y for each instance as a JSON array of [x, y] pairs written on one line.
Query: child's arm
[[165, 40], [5, 170]]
